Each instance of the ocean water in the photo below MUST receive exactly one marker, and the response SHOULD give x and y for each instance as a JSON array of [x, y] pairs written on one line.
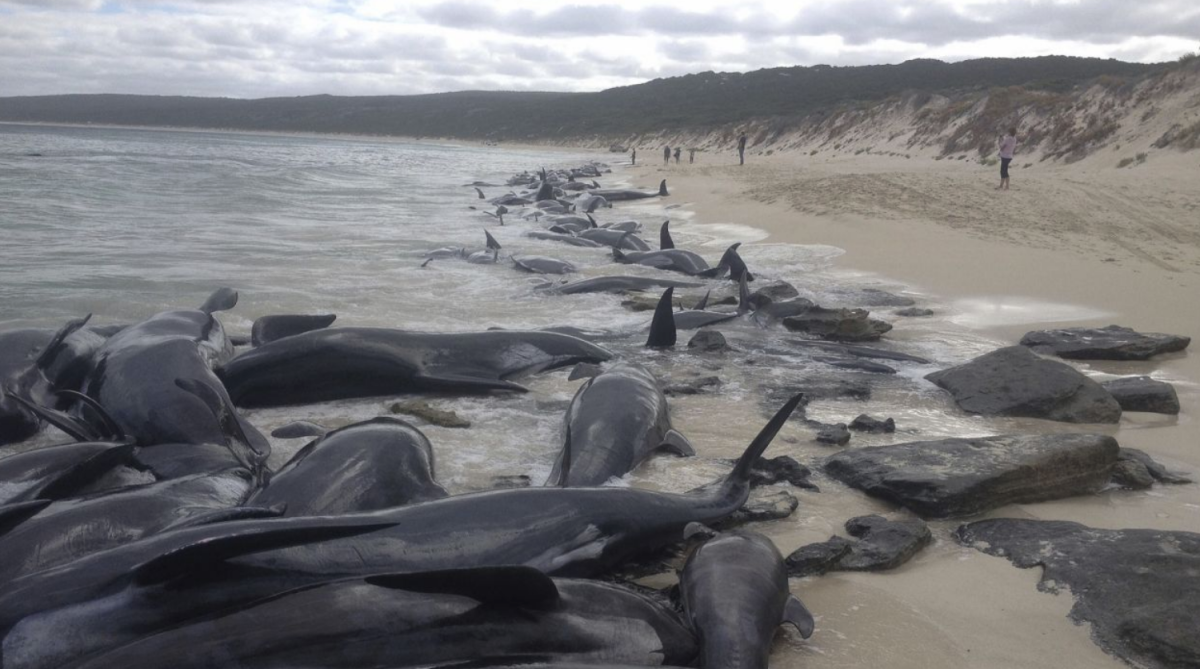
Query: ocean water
[[125, 223]]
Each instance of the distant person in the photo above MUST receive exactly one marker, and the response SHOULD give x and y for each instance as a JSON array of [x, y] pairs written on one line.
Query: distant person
[[742, 149], [691, 156], [666, 155], [633, 158], [1008, 146], [677, 151]]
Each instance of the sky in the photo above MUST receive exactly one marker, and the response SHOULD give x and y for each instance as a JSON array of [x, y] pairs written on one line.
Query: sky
[[269, 48]]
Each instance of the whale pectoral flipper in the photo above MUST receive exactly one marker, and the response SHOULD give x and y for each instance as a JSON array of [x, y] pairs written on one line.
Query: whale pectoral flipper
[[516, 586], [675, 442], [798, 616], [225, 515], [297, 429], [480, 382], [74, 427]]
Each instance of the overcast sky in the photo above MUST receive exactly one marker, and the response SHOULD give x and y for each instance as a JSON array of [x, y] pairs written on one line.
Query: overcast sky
[[250, 49]]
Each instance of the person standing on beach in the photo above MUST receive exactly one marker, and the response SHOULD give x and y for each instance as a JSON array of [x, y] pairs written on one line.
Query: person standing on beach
[[633, 158], [666, 155], [1008, 146], [677, 151], [691, 156], [742, 149]]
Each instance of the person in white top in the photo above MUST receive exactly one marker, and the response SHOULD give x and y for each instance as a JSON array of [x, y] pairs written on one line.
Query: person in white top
[[1008, 145]]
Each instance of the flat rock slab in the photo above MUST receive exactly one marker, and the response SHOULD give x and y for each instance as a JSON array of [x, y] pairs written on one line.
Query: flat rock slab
[[1109, 343], [883, 544], [870, 424], [428, 413], [1014, 381], [1139, 589], [781, 469], [838, 324], [961, 477], [1142, 393]]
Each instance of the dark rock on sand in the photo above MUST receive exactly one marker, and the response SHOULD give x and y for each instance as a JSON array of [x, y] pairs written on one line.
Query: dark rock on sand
[[914, 312], [822, 389], [429, 414], [838, 324], [1109, 343], [1159, 472], [1138, 588], [817, 559], [1132, 474], [883, 544], [762, 506], [960, 477], [708, 341], [835, 434], [1014, 381], [777, 291], [1142, 393], [859, 351], [865, 423], [508, 481], [782, 469], [694, 386]]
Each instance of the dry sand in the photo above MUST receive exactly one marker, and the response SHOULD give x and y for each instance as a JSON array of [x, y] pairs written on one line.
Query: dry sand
[[1068, 246]]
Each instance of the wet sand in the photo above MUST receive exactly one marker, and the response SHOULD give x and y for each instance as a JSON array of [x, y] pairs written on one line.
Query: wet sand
[[1056, 251]]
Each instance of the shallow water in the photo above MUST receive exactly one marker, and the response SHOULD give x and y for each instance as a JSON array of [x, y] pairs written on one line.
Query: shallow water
[[125, 223]]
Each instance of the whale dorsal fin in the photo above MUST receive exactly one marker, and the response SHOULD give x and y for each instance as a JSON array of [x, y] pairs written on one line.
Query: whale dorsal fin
[[662, 328], [565, 474], [222, 299], [798, 616], [744, 306], [662, 188], [491, 241], [703, 302], [51, 350], [664, 237]]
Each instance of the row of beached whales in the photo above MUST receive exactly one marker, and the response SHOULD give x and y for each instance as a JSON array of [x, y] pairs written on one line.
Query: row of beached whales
[[161, 538]]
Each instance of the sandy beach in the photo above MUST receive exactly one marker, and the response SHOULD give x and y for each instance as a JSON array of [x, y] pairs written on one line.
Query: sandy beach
[[1074, 245]]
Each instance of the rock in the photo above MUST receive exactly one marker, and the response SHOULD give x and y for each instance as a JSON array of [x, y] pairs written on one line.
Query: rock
[[510, 481], [865, 423], [555, 406], [762, 506], [822, 389], [859, 351], [708, 341], [426, 412], [960, 477], [1014, 381], [1138, 588], [1142, 393], [1132, 474], [883, 544], [1110, 343], [693, 386], [776, 291], [858, 365], [871, 297], [782, 469], [835, 434], [817, 559], [1159, 472], [838, 324], [914, 312]]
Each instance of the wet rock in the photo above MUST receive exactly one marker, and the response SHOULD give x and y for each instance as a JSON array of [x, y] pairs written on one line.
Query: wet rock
[[1159, 472], [708, 341], [511, 481], [865, 423], [859, 351], [838, 324], [1132, 474], [822, 389], [914, 312], [817, 559], [426, 412], [960, 477], [762, 506], [871, 297], [835, 434], [1109, 343], [776, 291], [1142, 393], [555, 406], [694, 386], [782, 469], [1137, 587], [857, 365], [883, 544], [1014, 381]]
